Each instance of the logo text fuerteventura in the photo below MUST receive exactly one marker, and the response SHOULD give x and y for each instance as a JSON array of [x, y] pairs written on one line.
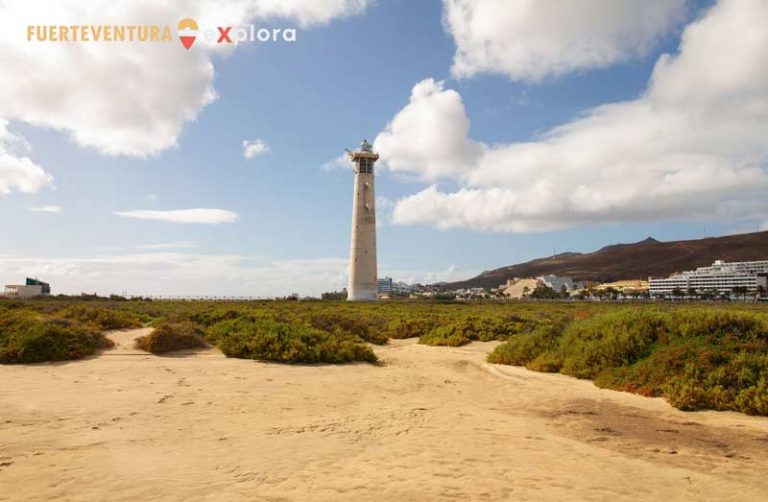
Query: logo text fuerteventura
[[187, 32]]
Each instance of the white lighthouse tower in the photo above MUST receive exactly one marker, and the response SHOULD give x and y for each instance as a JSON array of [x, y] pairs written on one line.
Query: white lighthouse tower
[[362, 253]]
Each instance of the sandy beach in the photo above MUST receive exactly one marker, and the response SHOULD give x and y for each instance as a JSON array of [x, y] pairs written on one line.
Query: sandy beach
[[427, 423]]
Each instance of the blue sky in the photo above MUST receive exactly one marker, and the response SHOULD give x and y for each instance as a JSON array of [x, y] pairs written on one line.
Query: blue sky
[[340, 82]]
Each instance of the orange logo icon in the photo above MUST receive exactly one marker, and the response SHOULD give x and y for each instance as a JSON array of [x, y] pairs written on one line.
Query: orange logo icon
[[187, 30]]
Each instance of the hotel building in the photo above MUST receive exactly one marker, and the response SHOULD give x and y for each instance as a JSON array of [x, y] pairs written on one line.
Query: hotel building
[[721, 276]]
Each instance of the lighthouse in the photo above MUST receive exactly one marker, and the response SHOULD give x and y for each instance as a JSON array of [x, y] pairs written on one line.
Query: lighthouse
[[362, 251]]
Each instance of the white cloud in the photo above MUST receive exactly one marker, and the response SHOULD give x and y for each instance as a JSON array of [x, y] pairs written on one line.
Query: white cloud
[[383, 202], [45, 209], [451, 274], [341, 162], [189, 216], [308, 12], [17, 171], [254, 148], [693, 145], [428, 137], [168, 245], [533, 39], [126, 98]]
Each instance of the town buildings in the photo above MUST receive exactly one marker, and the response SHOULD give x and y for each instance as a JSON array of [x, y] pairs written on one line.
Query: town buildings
[[722, 277]]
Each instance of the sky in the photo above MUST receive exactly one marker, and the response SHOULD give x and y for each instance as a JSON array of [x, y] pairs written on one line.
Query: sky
[[507, 129]]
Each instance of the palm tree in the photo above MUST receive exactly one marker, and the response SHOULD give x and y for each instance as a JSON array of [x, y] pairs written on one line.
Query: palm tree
[[740, 290]]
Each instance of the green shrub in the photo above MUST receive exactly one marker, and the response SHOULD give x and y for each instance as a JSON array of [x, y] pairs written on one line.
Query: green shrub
[[547, 362], [172, 336], [450, 335], [696, 358], [402, 327], [100, 317], [284, 342], [31, 338], [464, 330], [368, 328], [609, 341], [523, 349]]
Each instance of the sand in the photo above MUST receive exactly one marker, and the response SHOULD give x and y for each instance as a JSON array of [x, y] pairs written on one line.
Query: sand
[[428, 423]]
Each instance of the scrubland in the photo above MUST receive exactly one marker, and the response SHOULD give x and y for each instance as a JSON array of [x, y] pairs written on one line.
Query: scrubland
[[697, 356]]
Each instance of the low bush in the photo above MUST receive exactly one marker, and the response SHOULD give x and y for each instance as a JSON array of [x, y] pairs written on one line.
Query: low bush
[[462, 331], [696, 358], [451, 335], [610, 341], [283, 342], [403, 327], [101, 317], [539, 345], [368, 329], [32, 338], [172, 336]]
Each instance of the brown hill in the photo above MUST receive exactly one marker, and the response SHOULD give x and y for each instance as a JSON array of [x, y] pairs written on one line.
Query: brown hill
[[632, 261]]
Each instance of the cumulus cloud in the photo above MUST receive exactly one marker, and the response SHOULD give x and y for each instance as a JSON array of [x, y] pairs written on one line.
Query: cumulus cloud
[[428, 138], [693, 145], [308, 12], [127, 98], [341, 162], [451, 274], [45, 209], [187, 216], [17, 171], [530, 40], [254, 148]]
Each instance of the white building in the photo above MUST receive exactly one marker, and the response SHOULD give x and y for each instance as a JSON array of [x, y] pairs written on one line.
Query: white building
[[721, 277], [22, 291], [387, 286], [31, 289], [517, 288], [384, 285], [556, 282]]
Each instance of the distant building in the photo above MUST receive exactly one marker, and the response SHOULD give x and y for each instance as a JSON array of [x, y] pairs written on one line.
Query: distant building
[[387, 286], [626, 287], [471, 293], [520, 288], [722, 277], [384, 285], [31, 289], [556, 282]]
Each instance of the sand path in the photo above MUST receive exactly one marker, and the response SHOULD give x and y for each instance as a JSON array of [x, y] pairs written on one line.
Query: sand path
[[428, 424]]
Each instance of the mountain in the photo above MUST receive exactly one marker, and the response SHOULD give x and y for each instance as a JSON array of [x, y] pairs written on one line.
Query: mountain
[[640, 260]]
